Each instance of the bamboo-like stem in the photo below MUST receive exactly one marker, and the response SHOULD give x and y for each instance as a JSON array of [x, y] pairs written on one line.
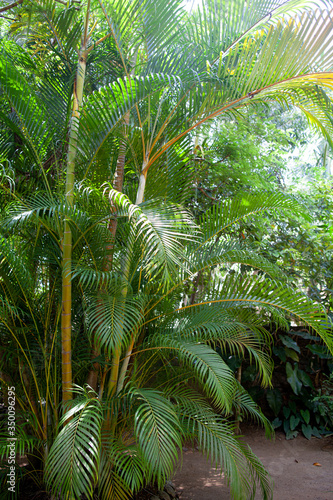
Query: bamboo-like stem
[[114, 373], [139, 199], [118, 182], [118, 185], [123, 370], [66, 320], [142, 185]]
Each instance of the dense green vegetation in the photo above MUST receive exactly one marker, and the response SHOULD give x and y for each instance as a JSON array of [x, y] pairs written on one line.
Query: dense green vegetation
[[264, 152], [145, 228]]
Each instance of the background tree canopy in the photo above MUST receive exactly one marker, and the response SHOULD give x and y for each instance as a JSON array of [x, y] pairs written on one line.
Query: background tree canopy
[[134, 257]]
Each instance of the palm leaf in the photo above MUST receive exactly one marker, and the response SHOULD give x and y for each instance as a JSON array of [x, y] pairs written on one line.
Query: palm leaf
[[215, 376], [220, 217], [157, 432], [234, 331], [158, 230], [115, 465], [257, 292], [113, 318], [61, 24], [73, 461], [122, 469], [216, 440], [29, 118], [226, 253]]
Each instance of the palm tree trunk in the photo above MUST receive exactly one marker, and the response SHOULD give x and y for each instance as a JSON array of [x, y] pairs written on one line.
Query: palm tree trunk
[[66, 315], [142, 184], [139, 199], [118, 185], [118, 182]]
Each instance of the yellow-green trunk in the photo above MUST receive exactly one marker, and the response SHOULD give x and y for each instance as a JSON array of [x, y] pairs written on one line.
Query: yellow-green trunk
[[66, 313]]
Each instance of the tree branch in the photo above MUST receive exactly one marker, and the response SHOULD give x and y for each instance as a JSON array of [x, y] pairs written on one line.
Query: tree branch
[[206, 194], [11, 5], [65, 3]]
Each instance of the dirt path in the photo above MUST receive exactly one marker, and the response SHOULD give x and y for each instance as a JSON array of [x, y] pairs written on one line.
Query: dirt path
[[290, 464]]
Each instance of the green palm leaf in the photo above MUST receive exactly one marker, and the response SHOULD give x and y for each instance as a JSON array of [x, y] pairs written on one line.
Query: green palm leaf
[[157, 432], [158, 230], [221, 217], [122, 469], [29, 119], [258, 292], [227, 253], [106, 108], [73, 461], [113, 318], [14, 267], [62, 24], [244, 404], [215, 376], [234, 331], [216, 440]]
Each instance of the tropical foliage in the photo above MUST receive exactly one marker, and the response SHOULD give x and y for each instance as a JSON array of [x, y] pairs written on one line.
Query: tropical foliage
[[115, 303], [257, 153]]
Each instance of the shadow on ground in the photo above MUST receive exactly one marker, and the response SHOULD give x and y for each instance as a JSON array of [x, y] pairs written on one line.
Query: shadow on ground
[[290, 464]]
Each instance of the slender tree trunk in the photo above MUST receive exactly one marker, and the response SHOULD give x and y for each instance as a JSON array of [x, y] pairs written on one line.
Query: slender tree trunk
[[122, 374], [118, 185], [139, 199], [66, 314], [142, 184], [118, 182]]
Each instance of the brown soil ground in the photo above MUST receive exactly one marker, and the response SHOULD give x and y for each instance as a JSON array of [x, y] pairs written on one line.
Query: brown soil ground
[[290, 464]]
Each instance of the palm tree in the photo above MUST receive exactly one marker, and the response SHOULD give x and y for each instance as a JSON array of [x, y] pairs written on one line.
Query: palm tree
[[131, 125], [117, 439]]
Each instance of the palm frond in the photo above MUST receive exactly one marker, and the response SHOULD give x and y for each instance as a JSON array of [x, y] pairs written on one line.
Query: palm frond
[[24, 443], [258, 292], [61, 24], [26, 115], [210, 370], [235, 332], [220, 217], [226, 253], [157, 432], [105, 110], [245, 405], [216, 440], [113, 318], [73, 461], [118, 471], [159, 230], [124, 460], [14, 267], [127, 20]]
